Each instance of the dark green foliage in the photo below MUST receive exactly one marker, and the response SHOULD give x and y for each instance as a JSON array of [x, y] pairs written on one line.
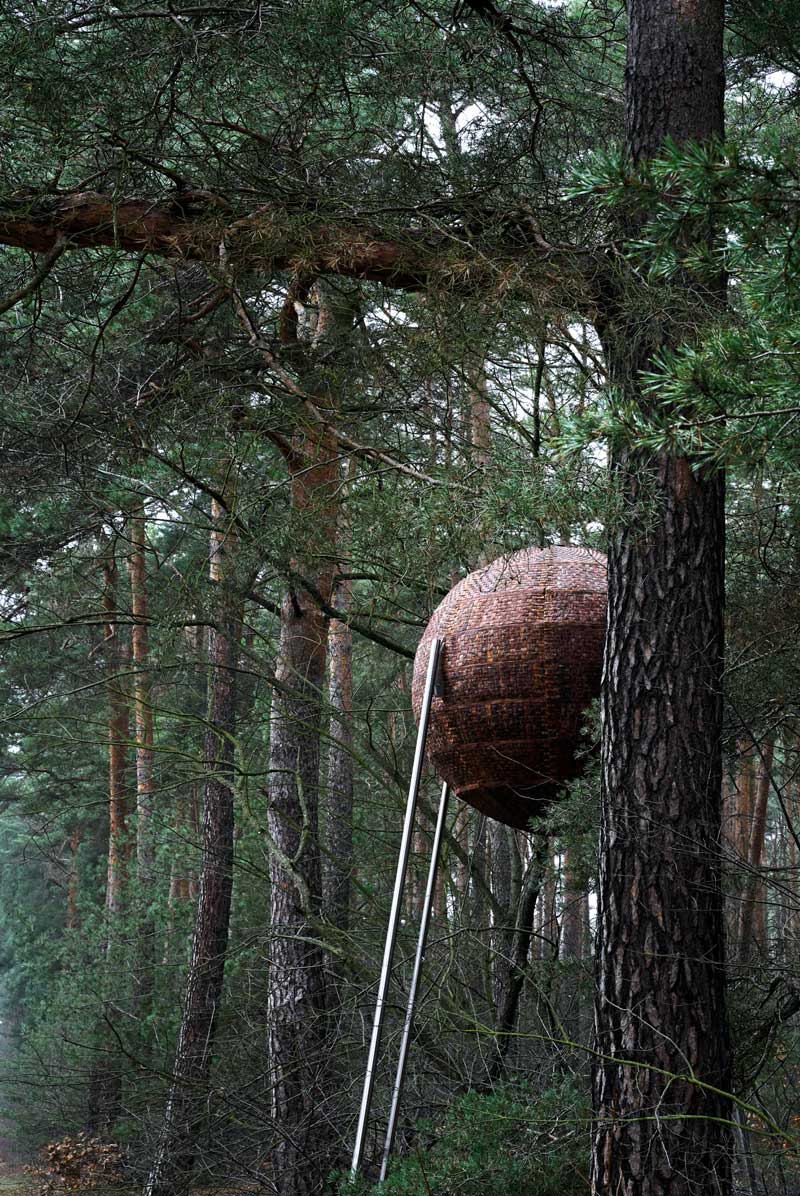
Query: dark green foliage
[[509, 1141]]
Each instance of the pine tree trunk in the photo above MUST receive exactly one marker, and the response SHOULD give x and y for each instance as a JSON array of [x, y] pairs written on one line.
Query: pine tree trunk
[[145, 786], [572, 913], [506, 894], [179, 869], [550, 929], [118, 733], [172, 1168], [793, 828], [510, 971], [297, 1003], [297, 988], [339, 804], [752, 919], [660, 1008], [299, 1026], [105, 1082], [573, 917], [747, 790]]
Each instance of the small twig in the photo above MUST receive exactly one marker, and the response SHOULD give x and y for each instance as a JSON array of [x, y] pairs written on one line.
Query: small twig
[[48, 261]]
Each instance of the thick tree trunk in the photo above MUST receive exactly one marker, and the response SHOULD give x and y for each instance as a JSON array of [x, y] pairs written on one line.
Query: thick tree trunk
[[145, 786], [662, 1033], [661, 990], [298, 998], [297, 1003], [339, 805], [299, 1026], [172, 1168]]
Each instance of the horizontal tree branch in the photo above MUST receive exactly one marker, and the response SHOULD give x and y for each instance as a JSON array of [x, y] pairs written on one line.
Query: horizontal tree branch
[[196, 224]]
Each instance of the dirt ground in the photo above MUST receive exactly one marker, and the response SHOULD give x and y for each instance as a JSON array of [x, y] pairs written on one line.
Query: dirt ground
[[14, 1182]]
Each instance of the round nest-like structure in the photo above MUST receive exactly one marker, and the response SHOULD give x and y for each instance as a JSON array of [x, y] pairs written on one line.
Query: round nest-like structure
[[521, 660]]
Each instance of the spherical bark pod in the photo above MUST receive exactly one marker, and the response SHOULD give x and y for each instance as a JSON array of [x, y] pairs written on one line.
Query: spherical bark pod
[[521, 660]]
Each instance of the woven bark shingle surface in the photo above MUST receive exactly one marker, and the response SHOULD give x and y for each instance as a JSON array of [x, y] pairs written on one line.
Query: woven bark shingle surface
[[521, 661]]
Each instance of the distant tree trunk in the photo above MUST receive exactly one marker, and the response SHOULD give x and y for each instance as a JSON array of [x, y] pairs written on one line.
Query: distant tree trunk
[[477, 888], [505, 876], [117, 658], [793, 829], [105, 1081], [145, 786], [660, 1008], [752, 921], [511, 969], [179, 872], [747, 790], [572, 914], [172, 1168], [573, 919], [73, 920], [549, 928], [339, 804]]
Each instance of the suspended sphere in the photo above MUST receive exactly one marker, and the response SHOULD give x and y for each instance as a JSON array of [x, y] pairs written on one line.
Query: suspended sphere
[[521, 660]]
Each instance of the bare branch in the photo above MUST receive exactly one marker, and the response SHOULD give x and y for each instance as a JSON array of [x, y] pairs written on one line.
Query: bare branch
[[49, 260]]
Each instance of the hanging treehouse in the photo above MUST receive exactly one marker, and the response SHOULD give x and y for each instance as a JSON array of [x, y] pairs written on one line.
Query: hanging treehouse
[[502, 676]]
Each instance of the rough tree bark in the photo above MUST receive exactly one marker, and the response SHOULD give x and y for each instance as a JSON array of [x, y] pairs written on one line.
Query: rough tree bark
[[174, 1159], [339, 805], [299, 1046], [297, 1004], [662, 1038]]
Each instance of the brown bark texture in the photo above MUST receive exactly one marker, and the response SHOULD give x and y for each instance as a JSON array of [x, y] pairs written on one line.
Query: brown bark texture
[[172, 1167], [297, 985], [299, 1025], [193, 225], [339, 804], [663, 1065]]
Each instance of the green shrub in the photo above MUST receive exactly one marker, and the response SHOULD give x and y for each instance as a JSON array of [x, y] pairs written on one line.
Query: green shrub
[[498, 1144]]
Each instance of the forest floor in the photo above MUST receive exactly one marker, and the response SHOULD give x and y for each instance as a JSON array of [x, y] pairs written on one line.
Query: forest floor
[[14, 1182]]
